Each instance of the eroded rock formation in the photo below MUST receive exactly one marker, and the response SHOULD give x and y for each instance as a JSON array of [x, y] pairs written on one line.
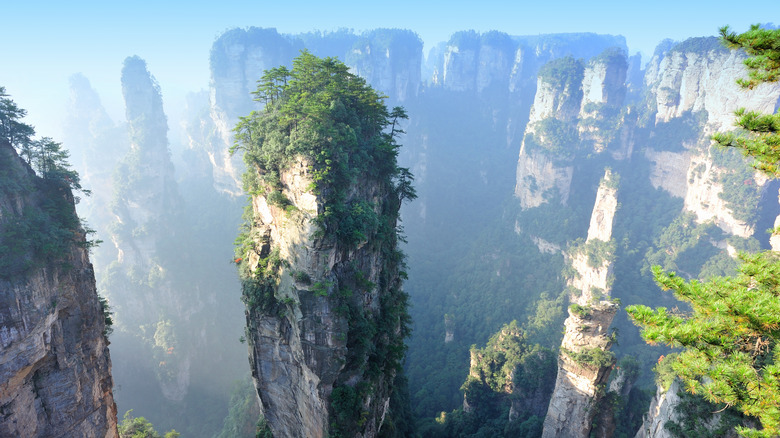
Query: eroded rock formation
[[305, 342], [55, 370], [585, 362]]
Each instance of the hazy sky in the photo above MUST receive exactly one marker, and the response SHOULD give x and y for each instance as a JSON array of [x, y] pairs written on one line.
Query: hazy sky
[[44, 42]]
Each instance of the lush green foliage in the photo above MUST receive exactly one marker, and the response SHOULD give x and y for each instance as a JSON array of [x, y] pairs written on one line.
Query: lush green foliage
[[761, 45], [563, 73], [554, 137], [730, 337], [678, 132], [508, 371], [683, 246], [48, 226], [140, 427], [592, 357], [698, 418], [12, 129], [606, 119], [319, 114], [597, 251]]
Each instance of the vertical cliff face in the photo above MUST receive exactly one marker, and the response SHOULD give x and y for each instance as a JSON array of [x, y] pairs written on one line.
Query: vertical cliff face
[[100, 146], [548, 143], [476, 62], [147, 209], [576, 110], [603, 94], [54, 365], [693, 94], [238, 59], [321, 271], [473, 62], [390, 60], [585, 362], [299, 351]]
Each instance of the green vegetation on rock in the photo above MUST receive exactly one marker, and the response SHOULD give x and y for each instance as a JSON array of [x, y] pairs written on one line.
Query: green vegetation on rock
[[563, 73], [321, 116], [730, 338]]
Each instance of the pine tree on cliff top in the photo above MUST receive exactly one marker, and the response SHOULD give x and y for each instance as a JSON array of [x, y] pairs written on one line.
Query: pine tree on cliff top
[[321, 115], [730, 339]]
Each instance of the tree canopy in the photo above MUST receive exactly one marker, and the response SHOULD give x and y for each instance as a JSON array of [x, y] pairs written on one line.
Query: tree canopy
[[46, 156], [320, 111], [731, 353]]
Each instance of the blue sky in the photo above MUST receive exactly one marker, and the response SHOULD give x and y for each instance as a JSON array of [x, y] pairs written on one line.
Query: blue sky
[[44, 42]]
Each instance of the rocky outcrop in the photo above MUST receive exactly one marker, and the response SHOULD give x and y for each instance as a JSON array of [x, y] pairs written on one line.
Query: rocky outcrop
[[55, 370], [603, 94], [699, 74], [147, 215], [693, 94], [508, 371], [538, 177], [585, 362], [302, 342], [663, 408], [389, 59], [577, 109], [475, 62]]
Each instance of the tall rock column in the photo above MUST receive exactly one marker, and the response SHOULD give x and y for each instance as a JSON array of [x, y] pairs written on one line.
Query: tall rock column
[[55, 370], [321, 270], [585, 360], [549, 141], [147, 222]]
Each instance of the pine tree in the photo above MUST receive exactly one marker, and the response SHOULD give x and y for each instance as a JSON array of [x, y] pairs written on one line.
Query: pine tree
[[760, 135], [731, 353]]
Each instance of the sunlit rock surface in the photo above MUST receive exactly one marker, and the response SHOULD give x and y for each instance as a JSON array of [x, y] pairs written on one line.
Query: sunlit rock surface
[[580, 382]]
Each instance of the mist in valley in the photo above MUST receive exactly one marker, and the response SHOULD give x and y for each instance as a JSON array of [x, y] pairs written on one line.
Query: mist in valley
[[556, 156]]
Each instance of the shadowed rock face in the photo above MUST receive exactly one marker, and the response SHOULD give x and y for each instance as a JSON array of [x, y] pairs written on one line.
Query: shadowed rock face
[[306, 345], [55, 370]]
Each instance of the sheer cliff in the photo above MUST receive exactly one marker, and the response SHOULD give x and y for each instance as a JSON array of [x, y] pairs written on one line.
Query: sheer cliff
[[585, 361], [692, 95], [704, 200], [320, 266], [55, 370], [168, 275]]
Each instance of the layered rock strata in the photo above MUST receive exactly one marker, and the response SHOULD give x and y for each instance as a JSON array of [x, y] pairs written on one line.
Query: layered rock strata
[[55, 369], [302, 345]]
